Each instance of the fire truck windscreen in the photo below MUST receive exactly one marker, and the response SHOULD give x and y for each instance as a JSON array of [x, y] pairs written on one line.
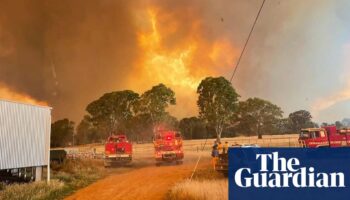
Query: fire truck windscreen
[[167, 135], [116, 139], [312, 134]]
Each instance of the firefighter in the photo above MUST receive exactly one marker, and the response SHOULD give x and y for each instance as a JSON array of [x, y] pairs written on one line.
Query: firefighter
[[215, 144], [214, 155], [220, 149], [225, 149]]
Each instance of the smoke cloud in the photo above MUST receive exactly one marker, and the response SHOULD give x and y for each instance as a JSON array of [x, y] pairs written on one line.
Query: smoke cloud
[[69, 53], [66, 53], [338, 96]]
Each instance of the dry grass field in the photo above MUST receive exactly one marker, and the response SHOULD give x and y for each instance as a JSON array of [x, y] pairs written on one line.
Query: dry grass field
[[206, 183], [171, 182], [207, 187], [37, 191], [146, 150], [200, 190]]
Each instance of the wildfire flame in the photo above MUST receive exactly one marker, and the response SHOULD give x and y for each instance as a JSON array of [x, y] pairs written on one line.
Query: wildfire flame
[[8, 94], [170, 67], [182, 64]]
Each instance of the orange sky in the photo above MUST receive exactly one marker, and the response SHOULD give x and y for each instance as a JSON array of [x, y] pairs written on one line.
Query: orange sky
[[69, 53], [184, 65], [151, 43], [8, 94]]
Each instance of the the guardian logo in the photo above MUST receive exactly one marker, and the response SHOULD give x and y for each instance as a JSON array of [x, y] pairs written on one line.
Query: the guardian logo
[[285, 173]]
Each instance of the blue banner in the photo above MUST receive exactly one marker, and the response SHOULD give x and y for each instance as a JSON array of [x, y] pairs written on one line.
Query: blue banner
[[289, 173]]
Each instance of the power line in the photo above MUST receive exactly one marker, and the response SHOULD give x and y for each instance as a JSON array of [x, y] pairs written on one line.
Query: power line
[[239, 60], [200, 156], [245, 45]]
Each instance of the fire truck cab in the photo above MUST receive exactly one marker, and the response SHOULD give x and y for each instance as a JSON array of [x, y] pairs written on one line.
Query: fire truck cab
[[327, 136], [118, 150], [168, 147]]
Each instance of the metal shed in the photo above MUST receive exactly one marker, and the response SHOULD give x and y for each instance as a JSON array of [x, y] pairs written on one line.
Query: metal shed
[[24, 136]]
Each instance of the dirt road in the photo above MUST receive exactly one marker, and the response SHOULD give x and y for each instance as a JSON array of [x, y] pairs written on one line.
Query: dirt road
[[149, 182]]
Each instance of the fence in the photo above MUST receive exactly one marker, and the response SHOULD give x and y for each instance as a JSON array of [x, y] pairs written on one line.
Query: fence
[[96, 151]]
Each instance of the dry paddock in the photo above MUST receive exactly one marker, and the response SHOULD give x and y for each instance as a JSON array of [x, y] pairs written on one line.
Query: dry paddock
[[170, 181], [146, 150]]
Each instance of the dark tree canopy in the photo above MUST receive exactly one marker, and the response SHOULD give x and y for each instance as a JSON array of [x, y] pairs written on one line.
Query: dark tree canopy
[[323, 124], [112, 111], [141, 127], [127, 112], [155, 101], [170, 122], [300, 119], [284, 126], [217, 102], [257, 116], [87, 132], [62, 133], [338, 124], [193, 128]]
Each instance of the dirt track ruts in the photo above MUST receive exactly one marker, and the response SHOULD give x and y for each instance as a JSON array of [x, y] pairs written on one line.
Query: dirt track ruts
[[145, 183]]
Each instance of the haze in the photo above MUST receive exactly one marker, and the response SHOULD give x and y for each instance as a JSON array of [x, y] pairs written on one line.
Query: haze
[[69, 53]]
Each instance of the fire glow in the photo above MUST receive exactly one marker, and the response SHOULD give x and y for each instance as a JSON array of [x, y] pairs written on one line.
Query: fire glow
[[179, 60], [8, 94], [166, 66]]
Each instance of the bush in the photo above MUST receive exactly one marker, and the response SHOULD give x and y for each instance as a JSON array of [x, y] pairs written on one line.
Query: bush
[[33, 191]]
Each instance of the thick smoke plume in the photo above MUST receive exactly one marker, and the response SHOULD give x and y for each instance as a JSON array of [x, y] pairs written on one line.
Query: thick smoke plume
[[8, 94], [68, 53]]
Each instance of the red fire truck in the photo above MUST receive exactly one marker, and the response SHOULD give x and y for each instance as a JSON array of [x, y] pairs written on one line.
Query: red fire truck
[[327, 136], [168, 147], [118, 150]]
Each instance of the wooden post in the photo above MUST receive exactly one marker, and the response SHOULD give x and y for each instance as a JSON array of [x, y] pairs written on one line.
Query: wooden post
[[38, 173]]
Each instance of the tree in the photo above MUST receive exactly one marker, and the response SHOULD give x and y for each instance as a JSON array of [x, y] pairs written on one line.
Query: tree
[[257, 116], [111, 112], [193, 128], [155, 101], [339, 125], [284, 126], [87, 132], [62, 132], [324, 124], [141, 127], [170, 122], [300, 119], [217, 102]]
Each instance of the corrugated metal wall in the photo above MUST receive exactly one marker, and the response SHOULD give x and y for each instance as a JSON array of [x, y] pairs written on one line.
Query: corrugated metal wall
[[24, 135]]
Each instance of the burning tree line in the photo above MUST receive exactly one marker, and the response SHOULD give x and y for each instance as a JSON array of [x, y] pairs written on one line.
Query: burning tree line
[[220, 114]]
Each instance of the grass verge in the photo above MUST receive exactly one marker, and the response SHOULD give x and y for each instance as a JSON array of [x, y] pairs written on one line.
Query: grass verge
[[35, 191], [206, 184], [66, 178], [199, 190]]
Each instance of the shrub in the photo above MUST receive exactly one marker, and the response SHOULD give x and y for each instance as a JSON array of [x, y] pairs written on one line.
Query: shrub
[[32, 191]]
